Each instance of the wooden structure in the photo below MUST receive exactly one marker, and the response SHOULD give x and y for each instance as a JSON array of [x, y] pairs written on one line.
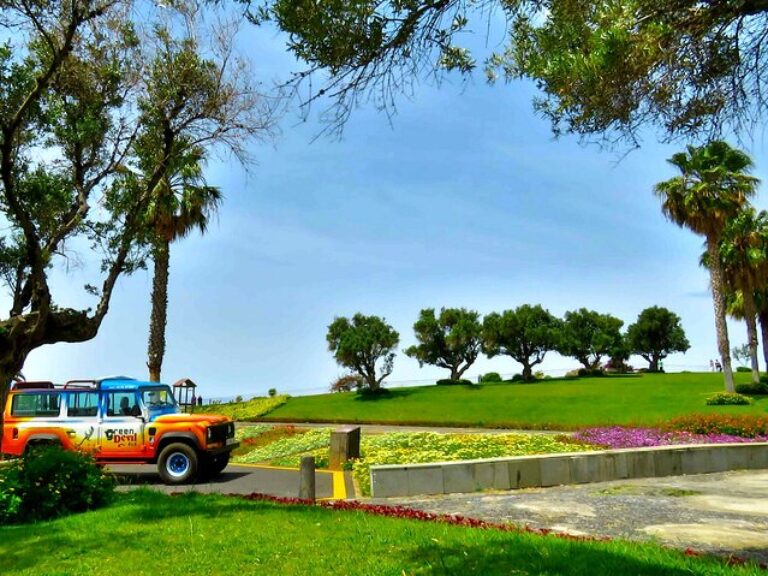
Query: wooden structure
[[184, 392]]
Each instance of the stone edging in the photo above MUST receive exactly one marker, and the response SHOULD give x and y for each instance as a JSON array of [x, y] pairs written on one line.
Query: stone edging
[[570, 468]]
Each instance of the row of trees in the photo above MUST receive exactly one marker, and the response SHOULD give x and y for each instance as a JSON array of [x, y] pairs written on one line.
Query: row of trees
[[711, 198], [454, 338]]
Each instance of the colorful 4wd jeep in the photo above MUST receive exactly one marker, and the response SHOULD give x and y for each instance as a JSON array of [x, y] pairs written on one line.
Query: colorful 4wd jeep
[[119, 420]]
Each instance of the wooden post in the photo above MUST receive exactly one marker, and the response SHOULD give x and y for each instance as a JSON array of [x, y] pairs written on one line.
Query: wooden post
[[307, 481], [345, 444]]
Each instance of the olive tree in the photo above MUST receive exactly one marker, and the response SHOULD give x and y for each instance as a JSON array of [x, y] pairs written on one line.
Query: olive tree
[[450, 340], [588, 336], [656, 334], [525, 334], [361, 343], [95, 109]]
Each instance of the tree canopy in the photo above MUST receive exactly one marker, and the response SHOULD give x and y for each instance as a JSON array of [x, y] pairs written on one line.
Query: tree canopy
[[691, 68], [588, 336], [525, 334], [95, 109], [360, 343], [657, 333], [451, 340]]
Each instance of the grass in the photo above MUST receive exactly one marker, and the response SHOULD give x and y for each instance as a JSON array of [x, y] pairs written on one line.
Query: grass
[[248, 410], [645, 399], [147, 533]]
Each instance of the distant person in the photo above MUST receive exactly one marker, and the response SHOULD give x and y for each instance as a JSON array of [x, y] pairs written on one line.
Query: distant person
[[718, 366], [199, 400], [711, 365]]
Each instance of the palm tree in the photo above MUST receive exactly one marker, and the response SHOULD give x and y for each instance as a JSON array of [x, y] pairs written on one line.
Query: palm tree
[[181, 203], [743, 252], [735, 309], [712, 188]]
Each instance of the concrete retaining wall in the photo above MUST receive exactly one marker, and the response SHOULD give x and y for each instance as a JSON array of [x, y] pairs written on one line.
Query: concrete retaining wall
[[557, 469]]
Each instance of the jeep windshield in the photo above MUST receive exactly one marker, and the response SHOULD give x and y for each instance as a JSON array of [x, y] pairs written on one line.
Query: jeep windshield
[[158, 399]]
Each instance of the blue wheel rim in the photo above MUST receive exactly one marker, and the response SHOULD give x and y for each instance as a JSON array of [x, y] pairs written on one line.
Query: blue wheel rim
[[177, 465]]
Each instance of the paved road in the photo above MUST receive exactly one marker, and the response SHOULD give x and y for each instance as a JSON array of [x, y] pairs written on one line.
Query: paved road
[[234, 480]]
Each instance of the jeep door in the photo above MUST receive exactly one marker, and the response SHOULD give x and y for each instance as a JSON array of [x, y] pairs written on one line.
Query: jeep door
[[121, 433], [81, 423]]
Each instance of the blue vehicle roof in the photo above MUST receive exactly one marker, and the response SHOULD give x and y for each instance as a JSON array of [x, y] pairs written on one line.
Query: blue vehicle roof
[[125, 383]]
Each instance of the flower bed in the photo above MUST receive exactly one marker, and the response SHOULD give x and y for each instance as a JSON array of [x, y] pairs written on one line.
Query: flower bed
[[620, 437]]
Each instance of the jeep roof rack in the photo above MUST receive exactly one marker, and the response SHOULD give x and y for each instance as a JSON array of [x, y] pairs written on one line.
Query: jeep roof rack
[[34, 385], [81, 384]]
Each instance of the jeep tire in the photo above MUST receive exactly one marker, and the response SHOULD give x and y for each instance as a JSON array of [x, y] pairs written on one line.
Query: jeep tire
[[214, 465], [178, 463]]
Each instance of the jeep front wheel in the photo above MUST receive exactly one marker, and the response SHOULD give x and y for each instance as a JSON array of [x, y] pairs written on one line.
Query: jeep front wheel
[[214, 465], [177, 464]]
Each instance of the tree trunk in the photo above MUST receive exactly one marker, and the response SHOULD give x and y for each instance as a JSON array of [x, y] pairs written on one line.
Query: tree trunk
[[718, 300], [749, 316], [763, 317], [654, 364], [9, 368], [455, 374], [159, 317]]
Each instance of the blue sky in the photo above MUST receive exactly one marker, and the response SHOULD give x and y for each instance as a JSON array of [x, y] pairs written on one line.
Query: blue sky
[[465, 200]]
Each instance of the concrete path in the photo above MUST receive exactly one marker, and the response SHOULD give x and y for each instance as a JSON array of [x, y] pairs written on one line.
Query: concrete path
[[724, 513], [236, 479], [386, 428]]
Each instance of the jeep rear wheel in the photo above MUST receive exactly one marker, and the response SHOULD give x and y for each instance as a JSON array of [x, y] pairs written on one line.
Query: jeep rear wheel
[[177, 464]]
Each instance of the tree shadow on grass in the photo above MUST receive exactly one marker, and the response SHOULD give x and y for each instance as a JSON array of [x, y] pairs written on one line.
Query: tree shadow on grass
[[530, 556], [384, 394]]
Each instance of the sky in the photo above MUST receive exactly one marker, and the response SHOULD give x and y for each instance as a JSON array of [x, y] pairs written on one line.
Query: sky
[[463, 199]]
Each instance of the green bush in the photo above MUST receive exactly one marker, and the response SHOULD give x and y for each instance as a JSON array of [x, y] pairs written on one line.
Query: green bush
[[449, 382], [272, 392], [728, 399], [594, 372], [752, 388], [517, 378], [49, 482], [10, 500], [491, 377], [743, 369]]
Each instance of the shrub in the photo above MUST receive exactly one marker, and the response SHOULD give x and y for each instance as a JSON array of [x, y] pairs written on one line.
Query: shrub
[[745, 425], [743, 369], [754, 389], [491, 377], [50, 482], [238, 399], [347, 382], [593, 372], [728, 399], [272, 392], [449, 382]]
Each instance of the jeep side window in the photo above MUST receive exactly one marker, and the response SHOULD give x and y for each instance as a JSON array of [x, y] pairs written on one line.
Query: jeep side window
[[122, 404], [82, 404], [42, 405]]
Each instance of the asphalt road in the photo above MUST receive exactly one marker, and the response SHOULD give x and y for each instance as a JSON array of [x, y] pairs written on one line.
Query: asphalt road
[[236, 479]]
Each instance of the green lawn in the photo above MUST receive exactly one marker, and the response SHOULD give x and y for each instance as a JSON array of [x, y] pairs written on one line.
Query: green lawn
[[149, 533], [554, 404]]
